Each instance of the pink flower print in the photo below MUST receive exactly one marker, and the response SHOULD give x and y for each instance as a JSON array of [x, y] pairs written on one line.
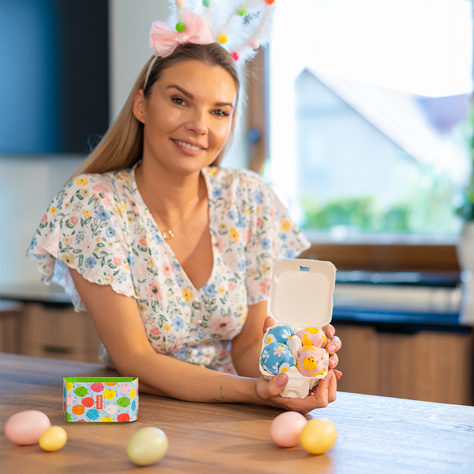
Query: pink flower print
[[44, 218], [259, 222], [142, 242], [265, 286], [223, 325], [232, 286], [73, 220], [279, 350], [117, 261], [154, 291], [102, 193], [166, 269], [155, 331]]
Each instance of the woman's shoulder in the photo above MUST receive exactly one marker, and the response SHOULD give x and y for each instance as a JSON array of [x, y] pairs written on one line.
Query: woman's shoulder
[[236, 178], [110, 180]]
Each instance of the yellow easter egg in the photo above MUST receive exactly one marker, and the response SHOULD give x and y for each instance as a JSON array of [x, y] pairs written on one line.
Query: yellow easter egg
[[107, 419], [132, 393], [109, 394], [318, 435], [53, 438], [68, 386], [147, 446]]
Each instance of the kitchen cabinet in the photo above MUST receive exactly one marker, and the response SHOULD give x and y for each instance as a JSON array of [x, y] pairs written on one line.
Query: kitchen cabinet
[[428, 364]]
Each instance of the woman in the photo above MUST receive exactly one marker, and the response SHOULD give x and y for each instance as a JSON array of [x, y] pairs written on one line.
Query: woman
[[169, 253]]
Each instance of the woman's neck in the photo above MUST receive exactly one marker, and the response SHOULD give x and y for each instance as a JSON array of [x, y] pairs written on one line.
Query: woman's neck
[[169, 197]]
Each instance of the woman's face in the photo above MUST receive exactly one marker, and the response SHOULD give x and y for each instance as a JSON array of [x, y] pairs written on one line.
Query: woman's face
[[188, 116]]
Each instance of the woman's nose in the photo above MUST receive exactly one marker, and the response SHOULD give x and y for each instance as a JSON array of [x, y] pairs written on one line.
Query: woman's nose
[[197, 123]]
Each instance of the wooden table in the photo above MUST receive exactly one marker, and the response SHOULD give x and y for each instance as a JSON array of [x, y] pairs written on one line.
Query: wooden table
[[375, 434]]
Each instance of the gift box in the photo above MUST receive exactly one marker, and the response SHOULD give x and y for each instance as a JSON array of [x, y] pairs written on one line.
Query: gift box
[[301, 297], [100, 399]]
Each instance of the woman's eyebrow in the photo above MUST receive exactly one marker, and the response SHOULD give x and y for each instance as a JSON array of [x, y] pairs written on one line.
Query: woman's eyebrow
[[189, 95]]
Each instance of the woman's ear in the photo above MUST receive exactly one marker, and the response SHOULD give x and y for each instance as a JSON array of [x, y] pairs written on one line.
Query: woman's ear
[[139, 106]]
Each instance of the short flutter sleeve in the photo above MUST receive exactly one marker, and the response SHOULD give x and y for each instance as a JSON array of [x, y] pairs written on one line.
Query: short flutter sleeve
[[84, 228], [272, 235]]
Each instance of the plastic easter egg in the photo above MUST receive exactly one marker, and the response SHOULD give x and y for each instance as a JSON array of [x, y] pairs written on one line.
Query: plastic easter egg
[[147, 446], [276, 358], [318, 435], [285, 429], [53, 438], [26, 427]]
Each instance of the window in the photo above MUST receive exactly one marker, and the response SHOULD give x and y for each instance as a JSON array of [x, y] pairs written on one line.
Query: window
[[368, 137]]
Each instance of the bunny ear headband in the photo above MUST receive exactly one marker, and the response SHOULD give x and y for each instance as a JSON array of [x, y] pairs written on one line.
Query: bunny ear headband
[[239, 26]]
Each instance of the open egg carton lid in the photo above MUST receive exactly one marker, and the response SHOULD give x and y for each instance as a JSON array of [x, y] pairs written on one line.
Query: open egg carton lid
[[301, 292]]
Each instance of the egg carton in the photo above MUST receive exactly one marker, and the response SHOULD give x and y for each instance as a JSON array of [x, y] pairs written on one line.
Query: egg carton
[[301, 296]]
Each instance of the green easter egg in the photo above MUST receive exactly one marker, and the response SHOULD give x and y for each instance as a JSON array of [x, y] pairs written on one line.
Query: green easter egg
[[123, 402], [80, 391]]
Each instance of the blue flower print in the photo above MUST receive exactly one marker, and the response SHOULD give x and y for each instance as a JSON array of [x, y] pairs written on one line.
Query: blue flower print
[[110, 232], [177, 323], [156, 237], [33, 243], [266, 244], [210, 290], [289, 253], [241, 265], [90, 262], [241, 222], [131, 260], [258, 197], [102, 214], [80, 237], [217, 192], [231, 215]]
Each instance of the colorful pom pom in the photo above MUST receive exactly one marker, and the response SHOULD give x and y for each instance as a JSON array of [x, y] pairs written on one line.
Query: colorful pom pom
[[206, 3], [222, 39], [269, 2], [254, 43], [180, 3], [241, 11], [180, 27], [235, 55]]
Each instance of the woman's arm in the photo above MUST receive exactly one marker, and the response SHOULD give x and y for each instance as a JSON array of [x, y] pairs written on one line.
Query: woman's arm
[[119, 325]]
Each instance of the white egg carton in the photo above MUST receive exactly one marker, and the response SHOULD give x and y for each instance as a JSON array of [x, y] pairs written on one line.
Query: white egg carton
[[301, 296]]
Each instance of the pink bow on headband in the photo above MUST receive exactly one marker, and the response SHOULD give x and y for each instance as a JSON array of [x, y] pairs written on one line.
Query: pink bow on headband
[[164, 39]]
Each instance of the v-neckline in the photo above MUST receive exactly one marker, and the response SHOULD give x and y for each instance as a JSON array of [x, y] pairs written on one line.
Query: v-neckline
[[169, 250]]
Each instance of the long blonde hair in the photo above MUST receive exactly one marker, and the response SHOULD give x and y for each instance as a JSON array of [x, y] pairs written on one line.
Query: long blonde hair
[[122, 145]]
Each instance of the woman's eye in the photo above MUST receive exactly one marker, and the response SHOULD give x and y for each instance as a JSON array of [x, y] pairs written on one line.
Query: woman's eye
[[221, 113], [178, 100]]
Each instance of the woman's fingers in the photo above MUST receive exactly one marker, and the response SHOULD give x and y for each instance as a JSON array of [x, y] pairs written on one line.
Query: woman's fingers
[[269, 322]]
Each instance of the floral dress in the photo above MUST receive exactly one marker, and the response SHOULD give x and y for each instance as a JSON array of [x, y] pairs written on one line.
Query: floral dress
[[99, 225]]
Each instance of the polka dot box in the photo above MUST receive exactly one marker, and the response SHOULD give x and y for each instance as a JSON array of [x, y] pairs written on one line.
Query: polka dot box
[[100, 399]]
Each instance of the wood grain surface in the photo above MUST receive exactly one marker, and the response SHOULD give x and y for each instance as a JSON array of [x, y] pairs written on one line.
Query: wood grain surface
[[375, 434]]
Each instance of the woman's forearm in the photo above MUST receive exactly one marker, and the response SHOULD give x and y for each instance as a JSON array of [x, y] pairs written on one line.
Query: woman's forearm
[[162, 375]]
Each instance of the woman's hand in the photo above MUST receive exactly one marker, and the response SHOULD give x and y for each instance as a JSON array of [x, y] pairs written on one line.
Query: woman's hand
[[268, 393], [332, 346]]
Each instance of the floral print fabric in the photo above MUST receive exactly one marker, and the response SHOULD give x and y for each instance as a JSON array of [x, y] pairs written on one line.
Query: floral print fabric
[[99, 225]]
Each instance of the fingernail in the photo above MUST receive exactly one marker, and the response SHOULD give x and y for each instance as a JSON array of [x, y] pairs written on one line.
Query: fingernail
[[331, 348], [281, 380]]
